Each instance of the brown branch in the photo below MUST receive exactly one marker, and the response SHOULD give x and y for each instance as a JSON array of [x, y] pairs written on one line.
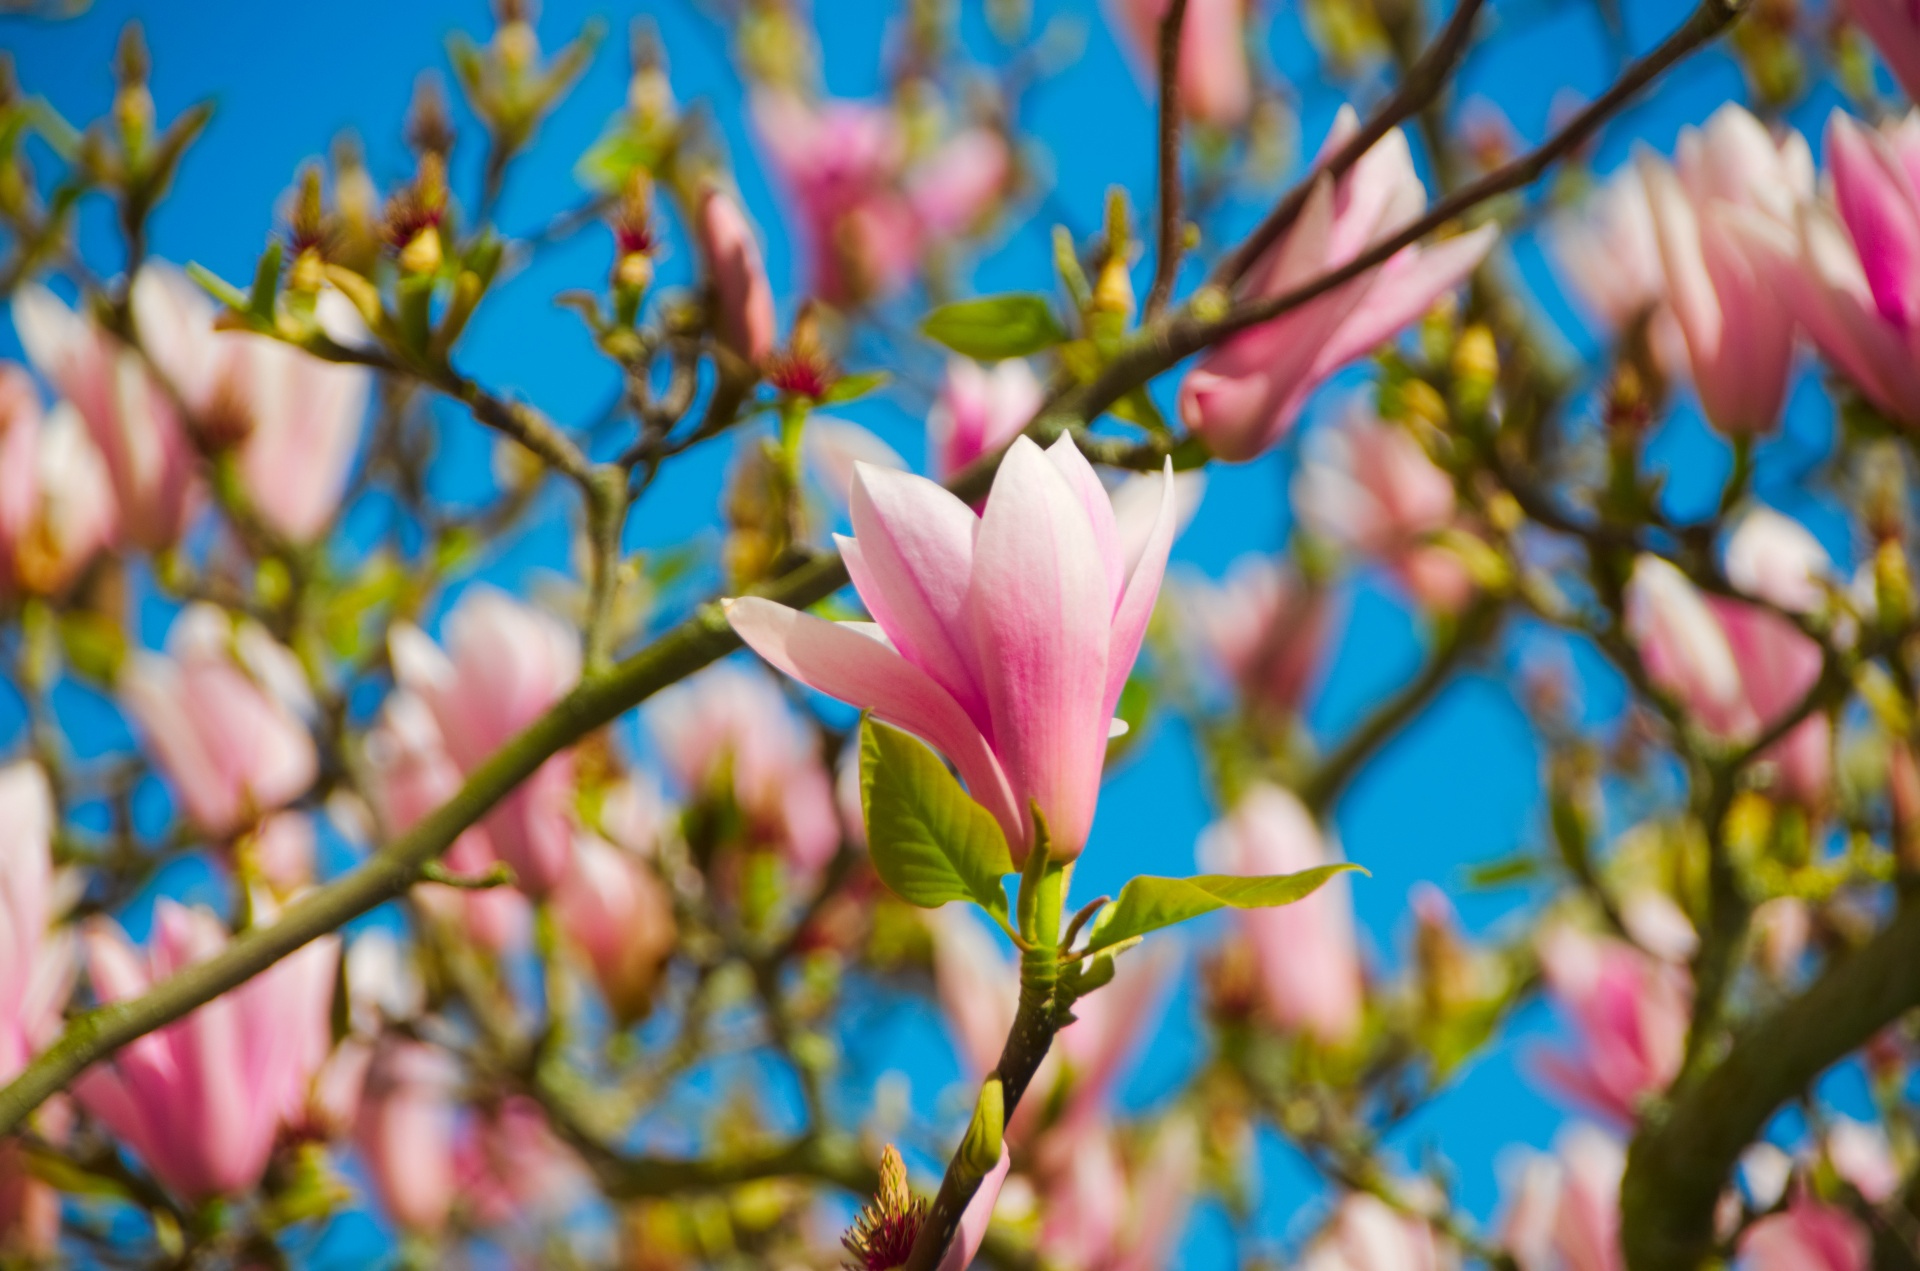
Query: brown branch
[[1167, 247]]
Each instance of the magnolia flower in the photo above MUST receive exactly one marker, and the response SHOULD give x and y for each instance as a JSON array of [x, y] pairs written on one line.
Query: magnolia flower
[[224, 710], [1565, 1213], [743, 298], [1894, 28], [412, 775], [56, 504], [29, 1211], [1629, 1013], [1309, 963], [1265, 628], [405, 1133], [614, 909], [1806, 1236], [1847, 267], [200, 1101], [1737, 323], [1862, 1155], [1040, 580], [505, 663], [1610, 251], [293, 419], [1369, 486], [133, 423], [1215, 81], [833, 448], [36, 958], [1100, 1216], [1366, 1235], [728, 731], [1244, 396], [507, 1162], [981, 409]]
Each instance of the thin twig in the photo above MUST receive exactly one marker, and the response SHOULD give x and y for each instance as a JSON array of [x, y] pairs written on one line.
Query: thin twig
[[1172, 231]]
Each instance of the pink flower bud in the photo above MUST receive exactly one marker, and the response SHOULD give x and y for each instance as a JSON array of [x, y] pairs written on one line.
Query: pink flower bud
[[1629, 1014], [1266, 629], [1565, 1211], [616, 912], [1215, 81], [981, 409], [134, 426], [958, 184], [406, 1133], [224, 711], [1041, 579], [1309, 961], [504, 665], [1808, 1236], [742, 294], [56, 504], [1610, 252], [1366, 1235], [1894, 28], [1245, 395], [201, 1100], [36, 958]]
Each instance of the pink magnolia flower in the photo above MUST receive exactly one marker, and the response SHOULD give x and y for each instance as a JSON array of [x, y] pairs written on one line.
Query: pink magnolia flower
[[134, 424], [507, 1162], [1266, 628], [743, 296], [225, 711], [56, 504], [1847, 267], [1808, 1236], [1629, 1013], [1894, 28], [1099, 1215], [29, 1210], [1737, 322], [870, 212], [833, 448], [505, 663], [732, 725], [405, 1133], [1368, 486], [412, 775], [1215, 81], [976, 1218], [1862, 1155], [1309, 962], [1244, 396], [1565, 1214], [615, 910], [1008, 636], [981, 409], [1610, 251], [36, 957], [200, 1101], [1366, 1235]]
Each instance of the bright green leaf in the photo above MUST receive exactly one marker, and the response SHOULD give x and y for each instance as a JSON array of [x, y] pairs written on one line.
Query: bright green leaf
[[1148, 904], [217, 287], [852, 387], [929, 842], [995, 327]]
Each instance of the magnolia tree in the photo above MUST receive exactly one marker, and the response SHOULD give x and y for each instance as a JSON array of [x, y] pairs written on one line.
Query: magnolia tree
[[579, 924]]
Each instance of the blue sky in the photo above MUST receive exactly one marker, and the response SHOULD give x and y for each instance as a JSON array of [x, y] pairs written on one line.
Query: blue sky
[[1460, 785]]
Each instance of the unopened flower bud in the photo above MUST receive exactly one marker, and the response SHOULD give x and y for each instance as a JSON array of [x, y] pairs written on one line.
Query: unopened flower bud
[[980, 1150], [1476, 367], [1113, 290], [422, 253], [429, 126]]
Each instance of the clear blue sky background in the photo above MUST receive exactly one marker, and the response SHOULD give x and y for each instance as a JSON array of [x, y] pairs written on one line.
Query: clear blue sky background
[[1459, 786]]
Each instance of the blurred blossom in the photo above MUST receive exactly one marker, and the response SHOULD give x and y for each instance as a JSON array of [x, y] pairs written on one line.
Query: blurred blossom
[[1099, 1215], [869, 210], [405, 1133], [1628, 1014], [224, 710], [730, 732], [1266, 628], [504, 665], [1737, 322], [507, 1163], [743, 297], [1042, 579], [834, 447], [1564, 1213], [383, 984], [1862, 1155], [29, 1211], [1610, 251], [1365, 1234], [1774, 558], [1369, 486], [200, 1101], [134, 425], [1658, 925], [56, 504], [412, 775], [1781, 927], [979, 410], [1309, 960], [614, 909], [1806, 1236], [293, 419], [1214, 78], [1736, 667], [1894, 28], [282, 852], [1847, 263], [1244, 396], [36, 957]]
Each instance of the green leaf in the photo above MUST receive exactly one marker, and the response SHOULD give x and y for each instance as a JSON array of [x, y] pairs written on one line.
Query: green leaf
[[1138, 408], [266, 283], [930, 843], [1512, 869], [995, 327], [852, 387], [1148, 904], [217, 287]]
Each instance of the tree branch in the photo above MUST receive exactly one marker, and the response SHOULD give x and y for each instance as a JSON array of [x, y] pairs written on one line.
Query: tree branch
[[1167, 248]]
